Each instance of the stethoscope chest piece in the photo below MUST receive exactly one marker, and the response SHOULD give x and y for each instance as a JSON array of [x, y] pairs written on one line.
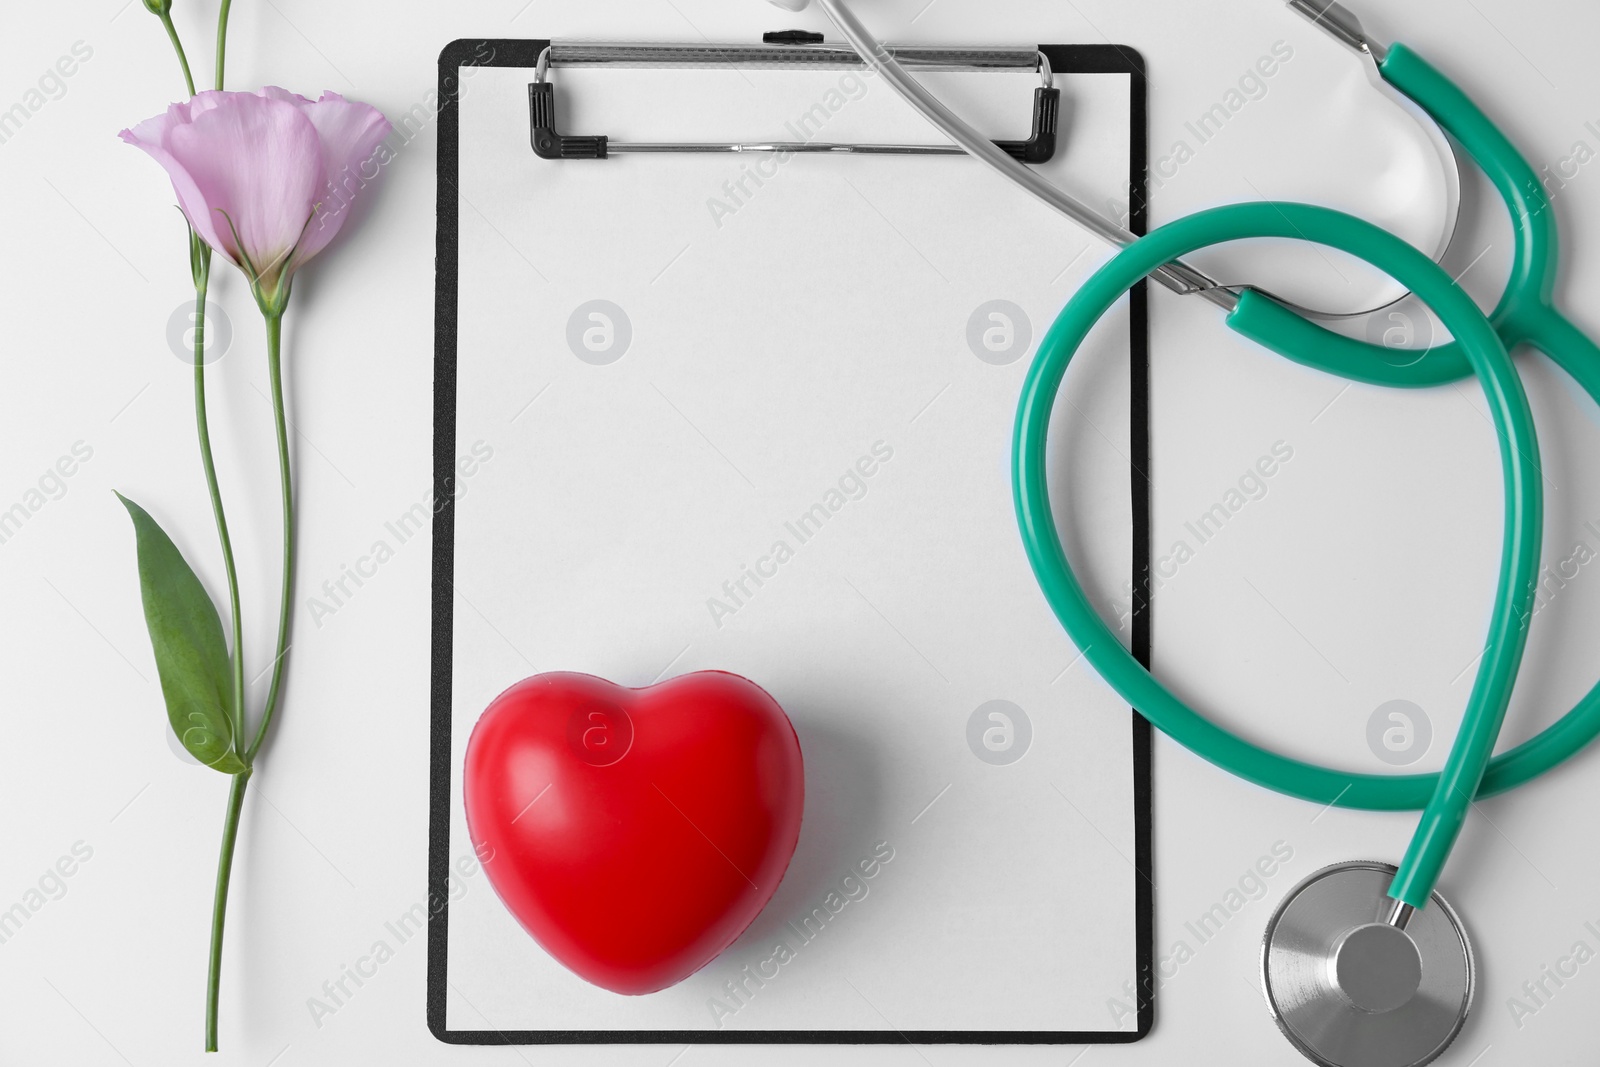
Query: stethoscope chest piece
[[1350, 990]]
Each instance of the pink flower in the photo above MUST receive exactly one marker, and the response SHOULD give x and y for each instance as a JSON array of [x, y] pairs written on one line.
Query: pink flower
[[251, 170]]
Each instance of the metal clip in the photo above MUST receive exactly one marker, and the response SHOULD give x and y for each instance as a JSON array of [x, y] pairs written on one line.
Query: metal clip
[[780, 50]]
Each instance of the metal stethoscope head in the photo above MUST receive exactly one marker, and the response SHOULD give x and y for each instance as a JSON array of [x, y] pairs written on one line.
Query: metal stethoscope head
[[1354, 980]]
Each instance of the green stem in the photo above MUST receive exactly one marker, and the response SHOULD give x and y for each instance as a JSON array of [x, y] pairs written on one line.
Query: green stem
[[201, 262], [222, 39], [203, 428], [285, 485], [219, 904], [177, 46]]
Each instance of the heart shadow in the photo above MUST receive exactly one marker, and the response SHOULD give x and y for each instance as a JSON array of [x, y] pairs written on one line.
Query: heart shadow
[[843, 808]]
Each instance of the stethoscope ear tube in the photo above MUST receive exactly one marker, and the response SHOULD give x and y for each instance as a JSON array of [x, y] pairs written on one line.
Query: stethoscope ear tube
[[1179, 277], [1445, 797], [1524, 313]]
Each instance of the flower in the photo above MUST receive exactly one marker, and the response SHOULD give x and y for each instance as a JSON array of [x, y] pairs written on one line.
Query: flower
[[252, 170]]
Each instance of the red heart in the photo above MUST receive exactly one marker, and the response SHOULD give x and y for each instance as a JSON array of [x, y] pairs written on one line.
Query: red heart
[[635, 833]]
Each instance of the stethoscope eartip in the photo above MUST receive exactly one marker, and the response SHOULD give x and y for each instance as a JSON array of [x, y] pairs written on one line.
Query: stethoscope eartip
[[790, 5], [1348, 989]]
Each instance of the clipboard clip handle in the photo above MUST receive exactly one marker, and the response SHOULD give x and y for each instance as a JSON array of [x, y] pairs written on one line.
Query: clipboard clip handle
[[1040, 147], [550, 143]]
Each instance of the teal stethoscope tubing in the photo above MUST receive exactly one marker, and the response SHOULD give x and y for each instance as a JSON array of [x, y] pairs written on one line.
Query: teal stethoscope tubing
[[1447, 795], [1524, 315]]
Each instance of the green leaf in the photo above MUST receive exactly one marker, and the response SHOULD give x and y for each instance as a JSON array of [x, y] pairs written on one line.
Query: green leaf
[[191, 655]]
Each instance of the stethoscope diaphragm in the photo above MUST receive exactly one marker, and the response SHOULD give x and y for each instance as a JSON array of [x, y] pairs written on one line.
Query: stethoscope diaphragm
[[1350, 990]]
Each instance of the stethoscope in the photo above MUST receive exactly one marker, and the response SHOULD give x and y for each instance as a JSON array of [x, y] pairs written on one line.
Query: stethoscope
[[1363, 963]]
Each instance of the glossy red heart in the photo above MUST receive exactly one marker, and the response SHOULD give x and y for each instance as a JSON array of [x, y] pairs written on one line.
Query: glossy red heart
[[635, 833]]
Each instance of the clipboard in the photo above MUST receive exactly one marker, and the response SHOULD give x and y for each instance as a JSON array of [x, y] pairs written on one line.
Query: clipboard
[[1012, 902]]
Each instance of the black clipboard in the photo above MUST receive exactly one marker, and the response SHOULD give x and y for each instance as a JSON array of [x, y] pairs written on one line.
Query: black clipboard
[[521, 53]]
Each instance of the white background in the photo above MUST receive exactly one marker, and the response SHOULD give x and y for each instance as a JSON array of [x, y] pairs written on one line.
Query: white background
[[334, 841]]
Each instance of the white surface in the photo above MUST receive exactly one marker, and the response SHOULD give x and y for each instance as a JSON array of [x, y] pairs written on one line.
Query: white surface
[[334, 841], [770, 351]]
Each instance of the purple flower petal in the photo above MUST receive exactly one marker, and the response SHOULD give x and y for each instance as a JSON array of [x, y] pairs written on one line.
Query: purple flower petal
[[259, 161], [283, 168], [350, 134]]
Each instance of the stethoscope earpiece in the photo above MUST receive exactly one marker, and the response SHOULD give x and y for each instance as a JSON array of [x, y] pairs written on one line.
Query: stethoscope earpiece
[[1351, 990]]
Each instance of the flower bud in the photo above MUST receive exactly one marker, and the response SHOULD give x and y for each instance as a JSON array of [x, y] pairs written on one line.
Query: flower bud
[[158, 7]]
